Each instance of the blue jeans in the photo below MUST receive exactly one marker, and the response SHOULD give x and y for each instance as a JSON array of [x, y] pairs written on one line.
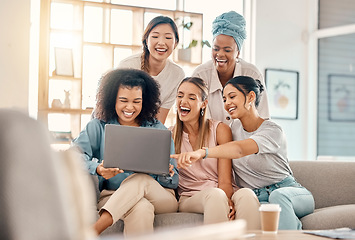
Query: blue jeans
[[295, 201]]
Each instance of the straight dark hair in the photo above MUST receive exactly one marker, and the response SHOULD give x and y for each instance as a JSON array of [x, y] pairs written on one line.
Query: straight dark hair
[[247, 84], [152, 24]]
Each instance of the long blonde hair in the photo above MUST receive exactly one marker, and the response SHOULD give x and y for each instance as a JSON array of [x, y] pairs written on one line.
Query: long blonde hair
[[203, 122]]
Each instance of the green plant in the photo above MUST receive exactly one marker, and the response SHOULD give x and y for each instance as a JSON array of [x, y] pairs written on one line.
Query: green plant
[[193, 42]]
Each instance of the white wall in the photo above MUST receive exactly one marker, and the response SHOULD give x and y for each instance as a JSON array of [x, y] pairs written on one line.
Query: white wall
[[282, 30], [14, 57]]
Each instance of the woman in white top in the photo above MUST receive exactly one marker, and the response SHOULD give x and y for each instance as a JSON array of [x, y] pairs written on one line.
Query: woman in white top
[[229, 33], [259, 150], [159, 40]]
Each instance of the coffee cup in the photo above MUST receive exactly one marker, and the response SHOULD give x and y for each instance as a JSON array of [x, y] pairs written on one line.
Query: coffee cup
[[270, 214]]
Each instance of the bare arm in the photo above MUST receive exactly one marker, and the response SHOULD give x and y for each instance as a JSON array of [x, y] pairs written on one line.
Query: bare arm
[[235, 149], [224, 166], [162, 114]]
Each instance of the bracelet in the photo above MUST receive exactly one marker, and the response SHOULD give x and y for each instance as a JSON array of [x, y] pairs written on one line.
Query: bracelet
[[206, 150]]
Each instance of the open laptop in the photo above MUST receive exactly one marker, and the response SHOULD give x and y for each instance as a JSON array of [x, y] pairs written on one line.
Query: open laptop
[[137, 149]]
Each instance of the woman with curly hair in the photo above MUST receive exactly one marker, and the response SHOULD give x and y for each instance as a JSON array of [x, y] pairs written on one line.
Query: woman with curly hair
[[159, 40], [131, 98]]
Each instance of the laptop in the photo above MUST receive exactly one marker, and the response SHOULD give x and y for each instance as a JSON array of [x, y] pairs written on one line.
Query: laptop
[[137, 149]]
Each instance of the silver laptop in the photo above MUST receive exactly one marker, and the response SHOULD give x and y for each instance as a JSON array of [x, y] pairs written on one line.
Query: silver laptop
[[137, 149]]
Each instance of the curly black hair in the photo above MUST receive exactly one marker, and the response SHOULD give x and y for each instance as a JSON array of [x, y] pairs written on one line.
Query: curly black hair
[[108, 88]]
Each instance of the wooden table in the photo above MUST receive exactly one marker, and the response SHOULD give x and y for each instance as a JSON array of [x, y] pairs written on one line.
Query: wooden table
[[282, 235]]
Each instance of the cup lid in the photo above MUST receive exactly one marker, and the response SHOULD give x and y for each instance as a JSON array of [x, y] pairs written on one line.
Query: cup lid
[[269, 207]]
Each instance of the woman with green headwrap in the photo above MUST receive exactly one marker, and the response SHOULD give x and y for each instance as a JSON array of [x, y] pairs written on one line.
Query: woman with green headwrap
[[228, 31]]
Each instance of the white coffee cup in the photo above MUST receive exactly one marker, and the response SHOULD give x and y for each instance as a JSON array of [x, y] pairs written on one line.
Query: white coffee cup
[[270, 214]]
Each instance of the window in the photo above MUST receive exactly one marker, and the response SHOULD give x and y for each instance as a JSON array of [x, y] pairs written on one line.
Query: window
[[336, 79], [95, 36]]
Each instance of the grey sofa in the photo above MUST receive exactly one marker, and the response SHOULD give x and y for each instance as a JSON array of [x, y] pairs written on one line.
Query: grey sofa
[[332, 185]]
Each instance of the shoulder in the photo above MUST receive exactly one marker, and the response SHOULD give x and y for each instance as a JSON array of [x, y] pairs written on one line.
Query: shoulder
[[174, 67], [156, 124], [249, 69], [95, 128], [132, 61], [95, 123], [222, 127], [222, 131], [203, 68], [271, 125]]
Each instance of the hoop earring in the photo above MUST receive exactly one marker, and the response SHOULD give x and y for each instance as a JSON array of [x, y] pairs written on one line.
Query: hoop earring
[[202, 112]]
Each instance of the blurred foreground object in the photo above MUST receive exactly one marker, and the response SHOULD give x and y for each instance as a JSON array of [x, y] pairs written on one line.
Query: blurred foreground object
[[44, 194]]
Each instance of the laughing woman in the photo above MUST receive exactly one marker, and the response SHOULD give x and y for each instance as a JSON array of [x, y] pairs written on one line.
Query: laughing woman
[[229, 33], [206, 186], [131, 98], [159, 40], [260, 154]]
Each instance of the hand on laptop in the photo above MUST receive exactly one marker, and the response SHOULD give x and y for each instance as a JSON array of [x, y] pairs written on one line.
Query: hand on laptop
[[107, 173]]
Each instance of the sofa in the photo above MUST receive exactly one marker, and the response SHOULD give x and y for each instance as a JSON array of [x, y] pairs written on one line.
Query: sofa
[[331, 183]]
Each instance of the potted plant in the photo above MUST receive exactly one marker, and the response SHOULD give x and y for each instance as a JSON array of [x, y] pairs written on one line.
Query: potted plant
[[184, 53]]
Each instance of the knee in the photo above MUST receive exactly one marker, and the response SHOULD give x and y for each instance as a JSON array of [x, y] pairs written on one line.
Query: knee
[[143, 207], [278, 196], [141, 177], [138, 179], [244, 194], [217, 195]]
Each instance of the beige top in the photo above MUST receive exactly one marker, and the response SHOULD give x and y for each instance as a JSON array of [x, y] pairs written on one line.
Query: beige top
[[169, 78], [208, 73]]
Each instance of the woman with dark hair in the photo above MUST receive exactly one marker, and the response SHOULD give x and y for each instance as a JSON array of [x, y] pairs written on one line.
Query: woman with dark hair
[[229, 33], [259, 150], [207, 186], [159, 40], [127, 97]]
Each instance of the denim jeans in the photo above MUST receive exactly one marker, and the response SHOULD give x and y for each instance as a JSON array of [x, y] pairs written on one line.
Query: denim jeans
[[295, 201]]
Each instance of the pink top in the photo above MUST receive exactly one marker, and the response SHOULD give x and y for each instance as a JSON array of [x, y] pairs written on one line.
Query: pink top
[[203, 173]]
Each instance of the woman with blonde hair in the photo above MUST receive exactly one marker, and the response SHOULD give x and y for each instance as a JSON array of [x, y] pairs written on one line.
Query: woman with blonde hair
[[259, 152], [206, 186]]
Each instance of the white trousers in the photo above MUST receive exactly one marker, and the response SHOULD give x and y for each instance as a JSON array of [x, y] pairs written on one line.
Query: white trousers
[[213, 203], [136, 202]]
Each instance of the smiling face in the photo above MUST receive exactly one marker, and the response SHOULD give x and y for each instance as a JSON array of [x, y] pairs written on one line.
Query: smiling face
[[161, 42], [129, 105], [224, 53], [234, 101], [189, 102]]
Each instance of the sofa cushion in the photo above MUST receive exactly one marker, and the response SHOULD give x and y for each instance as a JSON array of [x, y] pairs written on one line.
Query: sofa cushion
[[114, 229], [171, 220], [331, 183], [178, 219], [330, 218]]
